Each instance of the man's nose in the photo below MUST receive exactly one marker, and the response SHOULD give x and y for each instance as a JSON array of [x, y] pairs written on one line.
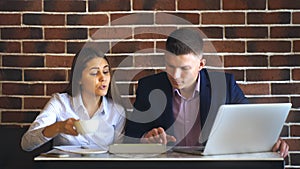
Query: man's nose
[[176, 73]]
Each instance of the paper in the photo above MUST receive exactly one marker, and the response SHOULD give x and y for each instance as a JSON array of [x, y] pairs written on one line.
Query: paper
[[81, 149]]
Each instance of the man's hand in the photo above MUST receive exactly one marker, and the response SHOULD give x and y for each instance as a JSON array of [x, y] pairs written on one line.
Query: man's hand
[[282, 147], [157, 135]]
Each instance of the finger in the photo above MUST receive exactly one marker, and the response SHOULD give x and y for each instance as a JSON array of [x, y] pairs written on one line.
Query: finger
[[171, 138], [163, 135], [276, 146], [284, 149]]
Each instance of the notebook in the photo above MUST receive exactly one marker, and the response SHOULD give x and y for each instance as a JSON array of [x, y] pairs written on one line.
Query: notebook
[[243, 128]]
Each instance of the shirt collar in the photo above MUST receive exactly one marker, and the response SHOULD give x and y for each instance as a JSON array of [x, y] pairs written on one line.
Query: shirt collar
[[78, 103]]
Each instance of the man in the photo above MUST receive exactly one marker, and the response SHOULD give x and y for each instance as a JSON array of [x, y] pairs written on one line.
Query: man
[[183, 98]]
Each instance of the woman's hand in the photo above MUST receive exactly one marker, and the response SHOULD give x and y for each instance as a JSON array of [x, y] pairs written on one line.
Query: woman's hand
[[65, 127]]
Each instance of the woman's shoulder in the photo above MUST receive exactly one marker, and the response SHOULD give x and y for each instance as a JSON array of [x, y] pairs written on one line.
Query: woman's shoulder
[[114, 105], [62, 98]]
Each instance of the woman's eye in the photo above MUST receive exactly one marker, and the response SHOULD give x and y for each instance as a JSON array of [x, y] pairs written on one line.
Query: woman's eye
[[93, 73]]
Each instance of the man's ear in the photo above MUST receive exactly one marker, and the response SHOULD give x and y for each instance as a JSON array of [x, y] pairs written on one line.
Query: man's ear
[[202, 63]]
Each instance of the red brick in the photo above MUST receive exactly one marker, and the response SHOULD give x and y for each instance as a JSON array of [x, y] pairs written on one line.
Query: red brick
[[296, 74], [293, 117], [226, 46], [10, 47], [152, 32], [95, 19], [22, 89], [10, 19], [10, 74], [22, 61], [74, 47], [8, 102], [287, 88], [18, 116], [64, 6], [244, 4], [177, 18], [125, 89], [269, 46], [238, 74], [55, 88], [255, 89], [246, 32], [44, 47], [268, 99], [111, 33], [285, 32], [268, 74], [212, 32], [295, 102], [154, 5], [161, 46], [132, 19], [59, 61], [214, 60], [294, 145], [109, 5], [132, 47], [149, 61], [284, 131], [45, 75], [296, 17], [16, 5], [132, 75], [295, 130], [296, 46], [21, 33], [198, 5], [43, 19], [285, 60], [295, 157], [268, 18], [120, 61], [35, 102], [246, 61], [66, 33], [283, 4], [223, 18]]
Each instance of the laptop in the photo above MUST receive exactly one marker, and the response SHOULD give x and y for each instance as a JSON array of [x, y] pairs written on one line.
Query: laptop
[[243, 128]]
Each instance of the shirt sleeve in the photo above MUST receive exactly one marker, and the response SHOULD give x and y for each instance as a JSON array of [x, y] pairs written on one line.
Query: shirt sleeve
[[120, 124], [34, 137]]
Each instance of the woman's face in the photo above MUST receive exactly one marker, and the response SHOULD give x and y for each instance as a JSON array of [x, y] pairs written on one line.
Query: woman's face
[[95, 77]]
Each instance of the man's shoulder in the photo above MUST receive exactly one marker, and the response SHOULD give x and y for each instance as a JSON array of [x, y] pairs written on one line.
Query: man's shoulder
[[217, 74]]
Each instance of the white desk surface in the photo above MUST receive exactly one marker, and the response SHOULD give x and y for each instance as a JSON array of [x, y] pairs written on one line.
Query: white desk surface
[[169, 156]]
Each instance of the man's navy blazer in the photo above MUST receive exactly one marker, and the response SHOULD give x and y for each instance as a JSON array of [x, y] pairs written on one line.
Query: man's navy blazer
[[216, 88]]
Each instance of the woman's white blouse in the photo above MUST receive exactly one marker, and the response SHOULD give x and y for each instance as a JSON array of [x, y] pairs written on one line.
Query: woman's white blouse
[[61, 107]]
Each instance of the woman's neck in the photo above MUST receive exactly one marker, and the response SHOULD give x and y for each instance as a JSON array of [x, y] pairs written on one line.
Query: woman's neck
[[91, 102]]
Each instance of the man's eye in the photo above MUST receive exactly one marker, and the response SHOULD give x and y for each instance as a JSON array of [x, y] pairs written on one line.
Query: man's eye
[[105, 72]]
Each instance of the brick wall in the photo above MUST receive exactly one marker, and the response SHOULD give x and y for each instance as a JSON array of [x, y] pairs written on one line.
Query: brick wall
[[256, 40]]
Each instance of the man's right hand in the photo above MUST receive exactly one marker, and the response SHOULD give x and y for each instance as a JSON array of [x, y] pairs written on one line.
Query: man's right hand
[[157, 135]]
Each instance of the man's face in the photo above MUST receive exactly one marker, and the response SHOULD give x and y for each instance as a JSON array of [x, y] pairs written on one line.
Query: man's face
[[183, 70]]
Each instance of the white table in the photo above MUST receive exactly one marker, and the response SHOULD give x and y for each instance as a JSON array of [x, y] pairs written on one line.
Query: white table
[[172, 160]]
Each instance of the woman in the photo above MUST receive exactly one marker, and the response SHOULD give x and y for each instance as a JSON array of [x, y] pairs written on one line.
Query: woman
[[86, 97]]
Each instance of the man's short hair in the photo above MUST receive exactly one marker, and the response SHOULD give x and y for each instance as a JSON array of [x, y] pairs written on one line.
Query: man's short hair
[[185, 41]]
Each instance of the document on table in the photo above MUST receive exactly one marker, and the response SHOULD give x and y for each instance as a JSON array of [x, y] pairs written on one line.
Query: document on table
[[81, 149]]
